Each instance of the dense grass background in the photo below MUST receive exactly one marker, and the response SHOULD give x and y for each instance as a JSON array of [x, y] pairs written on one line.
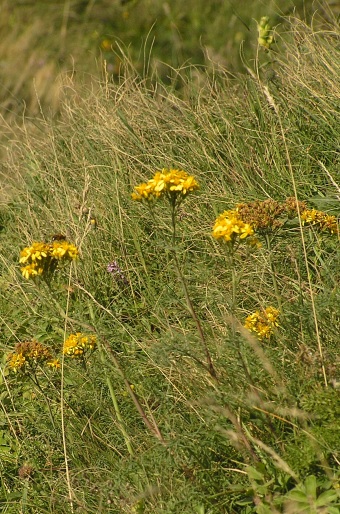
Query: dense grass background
[[264, 436]]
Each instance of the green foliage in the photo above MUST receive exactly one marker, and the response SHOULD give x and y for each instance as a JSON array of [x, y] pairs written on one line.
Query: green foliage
[[178, 408]]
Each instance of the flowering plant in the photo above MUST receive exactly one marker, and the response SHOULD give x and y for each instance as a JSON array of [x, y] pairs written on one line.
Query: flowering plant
[[29, 354], [42, 258], [263, 323], [173, 184], [77, 345]]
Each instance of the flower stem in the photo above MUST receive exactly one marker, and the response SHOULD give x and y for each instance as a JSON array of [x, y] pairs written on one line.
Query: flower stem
[[233, 315], [153, 427], [209, 364], [116, 407], [35, 381], [273, 273]]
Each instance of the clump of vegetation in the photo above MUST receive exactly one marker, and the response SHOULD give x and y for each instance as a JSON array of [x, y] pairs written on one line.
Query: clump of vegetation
[[176, 349]]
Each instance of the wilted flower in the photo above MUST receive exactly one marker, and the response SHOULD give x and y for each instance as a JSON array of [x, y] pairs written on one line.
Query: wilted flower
[[28, 355], [25, 471], [263, 215], [42, 258], [174, 184], [76, 345], [263, 323], [293, 207]]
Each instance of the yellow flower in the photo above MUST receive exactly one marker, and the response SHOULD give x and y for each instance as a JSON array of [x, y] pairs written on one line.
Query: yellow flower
[[106, 44], [228, 226], [263, 323], [31, 270], [43, 258], [28, 354], [166, 182], [77, 344], [320, 220], [33, 253], [61, 249], [16, 361], [54, 364]]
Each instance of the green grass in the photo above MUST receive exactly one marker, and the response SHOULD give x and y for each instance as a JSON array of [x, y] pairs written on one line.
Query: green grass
[[264, 434]]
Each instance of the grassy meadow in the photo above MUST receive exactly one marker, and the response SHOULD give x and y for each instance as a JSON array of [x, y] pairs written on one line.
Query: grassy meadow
[[169, 233]]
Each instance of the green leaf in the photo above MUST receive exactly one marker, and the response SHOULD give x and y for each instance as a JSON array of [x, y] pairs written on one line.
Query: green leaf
[[298, 496], [333, 510], [326, 498], [310, 485], [263, 509], [254, 474]]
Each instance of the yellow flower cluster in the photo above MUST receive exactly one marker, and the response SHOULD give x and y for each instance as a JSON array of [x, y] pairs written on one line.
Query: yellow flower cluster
[[263, 323], [228, 226], [76, 345], [320, 219], [29, 354], [41, 258], [171, 183]]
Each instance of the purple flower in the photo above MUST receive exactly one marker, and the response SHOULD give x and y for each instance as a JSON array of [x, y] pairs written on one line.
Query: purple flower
[[117, 273]]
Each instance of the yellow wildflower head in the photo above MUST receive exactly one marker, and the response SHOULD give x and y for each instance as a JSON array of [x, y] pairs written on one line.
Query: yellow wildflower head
[[76, 345], [54, 364], [16, 361], [36, 252], [228, 226], [263, 323], [63, 250], [320, 220], [31, 270], [174, 184], [42, 258]]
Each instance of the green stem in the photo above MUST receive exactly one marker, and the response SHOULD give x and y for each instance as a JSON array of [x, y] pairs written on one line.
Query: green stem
[[233, 314], [116, 407], [209, 365], [273, 273], [36, 383], [153, 427]]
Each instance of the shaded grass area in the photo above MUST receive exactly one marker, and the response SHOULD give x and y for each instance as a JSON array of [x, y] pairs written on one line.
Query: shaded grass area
[[45, 41], [267, 426]]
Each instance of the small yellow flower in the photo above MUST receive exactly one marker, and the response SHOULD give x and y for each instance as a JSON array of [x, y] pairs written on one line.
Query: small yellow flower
[[28, 355], [166, 182], [54, 364], [43, 258], [263, 323], [31, 270], [16, 361], [63, 249], [228, 226], [77, 344], [106, 45], [33, 253], [320, 220]]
